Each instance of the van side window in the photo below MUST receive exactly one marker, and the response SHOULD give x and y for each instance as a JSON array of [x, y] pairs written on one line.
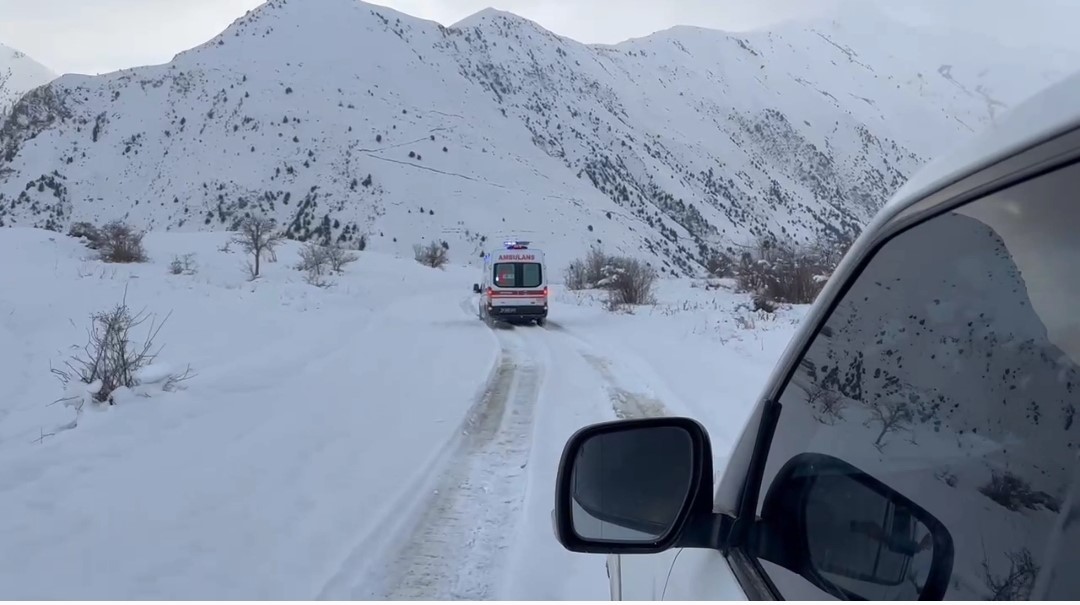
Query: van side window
[[950, 371]]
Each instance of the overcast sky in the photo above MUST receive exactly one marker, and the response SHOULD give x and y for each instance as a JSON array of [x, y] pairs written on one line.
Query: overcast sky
[[95, 36]]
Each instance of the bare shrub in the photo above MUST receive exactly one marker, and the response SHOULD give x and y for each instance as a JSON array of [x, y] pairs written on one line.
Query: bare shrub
[[588, 272], [629, 281], [257, 236], [316, 279], [1014, 493], [596, 263], [574, 276], [319, 261], [784, 272], [828, 405], [433, 255], [183, 265], [119, 243], [1018, 582], [315, 263], [313, 257], [111, 356], [719, 265], [762, 303], [947, 477], [338, 257], [87, 231]]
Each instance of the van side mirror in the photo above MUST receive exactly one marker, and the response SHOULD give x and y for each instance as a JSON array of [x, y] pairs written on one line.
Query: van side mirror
[[851, 535], [476, 288], [631, 486]]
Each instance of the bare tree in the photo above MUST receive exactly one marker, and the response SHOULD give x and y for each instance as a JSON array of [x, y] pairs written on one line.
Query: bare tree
[[827, 403], [892, 415], [258, 236]]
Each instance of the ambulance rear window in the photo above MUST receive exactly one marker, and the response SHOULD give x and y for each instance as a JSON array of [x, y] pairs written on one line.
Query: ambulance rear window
[[518, 275]]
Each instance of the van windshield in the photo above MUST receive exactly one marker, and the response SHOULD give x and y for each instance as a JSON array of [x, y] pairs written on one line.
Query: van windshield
[[518, 275]]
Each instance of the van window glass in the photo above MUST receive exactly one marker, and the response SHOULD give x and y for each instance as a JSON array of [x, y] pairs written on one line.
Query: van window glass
[[530, 275], [949, 372], [518, 275], [505, 275]]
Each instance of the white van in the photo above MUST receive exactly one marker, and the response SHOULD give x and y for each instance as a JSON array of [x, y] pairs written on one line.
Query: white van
[[514, 287]]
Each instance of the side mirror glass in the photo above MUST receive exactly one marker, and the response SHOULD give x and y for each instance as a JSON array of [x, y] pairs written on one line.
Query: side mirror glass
[[630, 486], [476, 288], [851, 535]]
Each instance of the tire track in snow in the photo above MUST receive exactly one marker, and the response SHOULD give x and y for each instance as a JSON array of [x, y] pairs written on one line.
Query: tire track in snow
[[458, 547], [626, 403]]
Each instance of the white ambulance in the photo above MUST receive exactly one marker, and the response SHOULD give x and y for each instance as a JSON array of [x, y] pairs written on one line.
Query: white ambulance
[[514, 285]]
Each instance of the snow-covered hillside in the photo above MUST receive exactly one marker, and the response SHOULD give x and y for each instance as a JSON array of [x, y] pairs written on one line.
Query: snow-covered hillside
[[964, 77], [19, 74], [343, 119], [370, 439]]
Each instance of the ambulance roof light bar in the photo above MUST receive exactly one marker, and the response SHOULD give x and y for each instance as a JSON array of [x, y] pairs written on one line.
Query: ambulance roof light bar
[[516, 245]]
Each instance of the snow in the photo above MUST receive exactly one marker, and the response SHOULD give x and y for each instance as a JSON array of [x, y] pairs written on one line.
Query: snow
[[373, 438], [18, 75], [1049, 113], [154, 373]]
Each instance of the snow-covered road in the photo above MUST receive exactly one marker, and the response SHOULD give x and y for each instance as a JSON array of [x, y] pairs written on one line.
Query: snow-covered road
[[479, 528], [373, 439]]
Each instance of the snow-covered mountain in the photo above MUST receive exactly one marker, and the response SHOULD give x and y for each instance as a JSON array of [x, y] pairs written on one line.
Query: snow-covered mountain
[[341, 119], [19, 74]]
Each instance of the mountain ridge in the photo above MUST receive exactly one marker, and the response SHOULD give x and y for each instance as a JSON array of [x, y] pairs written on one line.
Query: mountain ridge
[[19, 73], [357, 120]]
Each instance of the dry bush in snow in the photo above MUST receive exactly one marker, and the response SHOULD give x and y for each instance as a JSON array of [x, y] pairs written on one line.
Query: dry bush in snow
[[183, 265], [338, 257], [118, 242], [586, 273], [87, 231], [786, 272], [319, 261], [629, 281], [113, 355], [434, 255]]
